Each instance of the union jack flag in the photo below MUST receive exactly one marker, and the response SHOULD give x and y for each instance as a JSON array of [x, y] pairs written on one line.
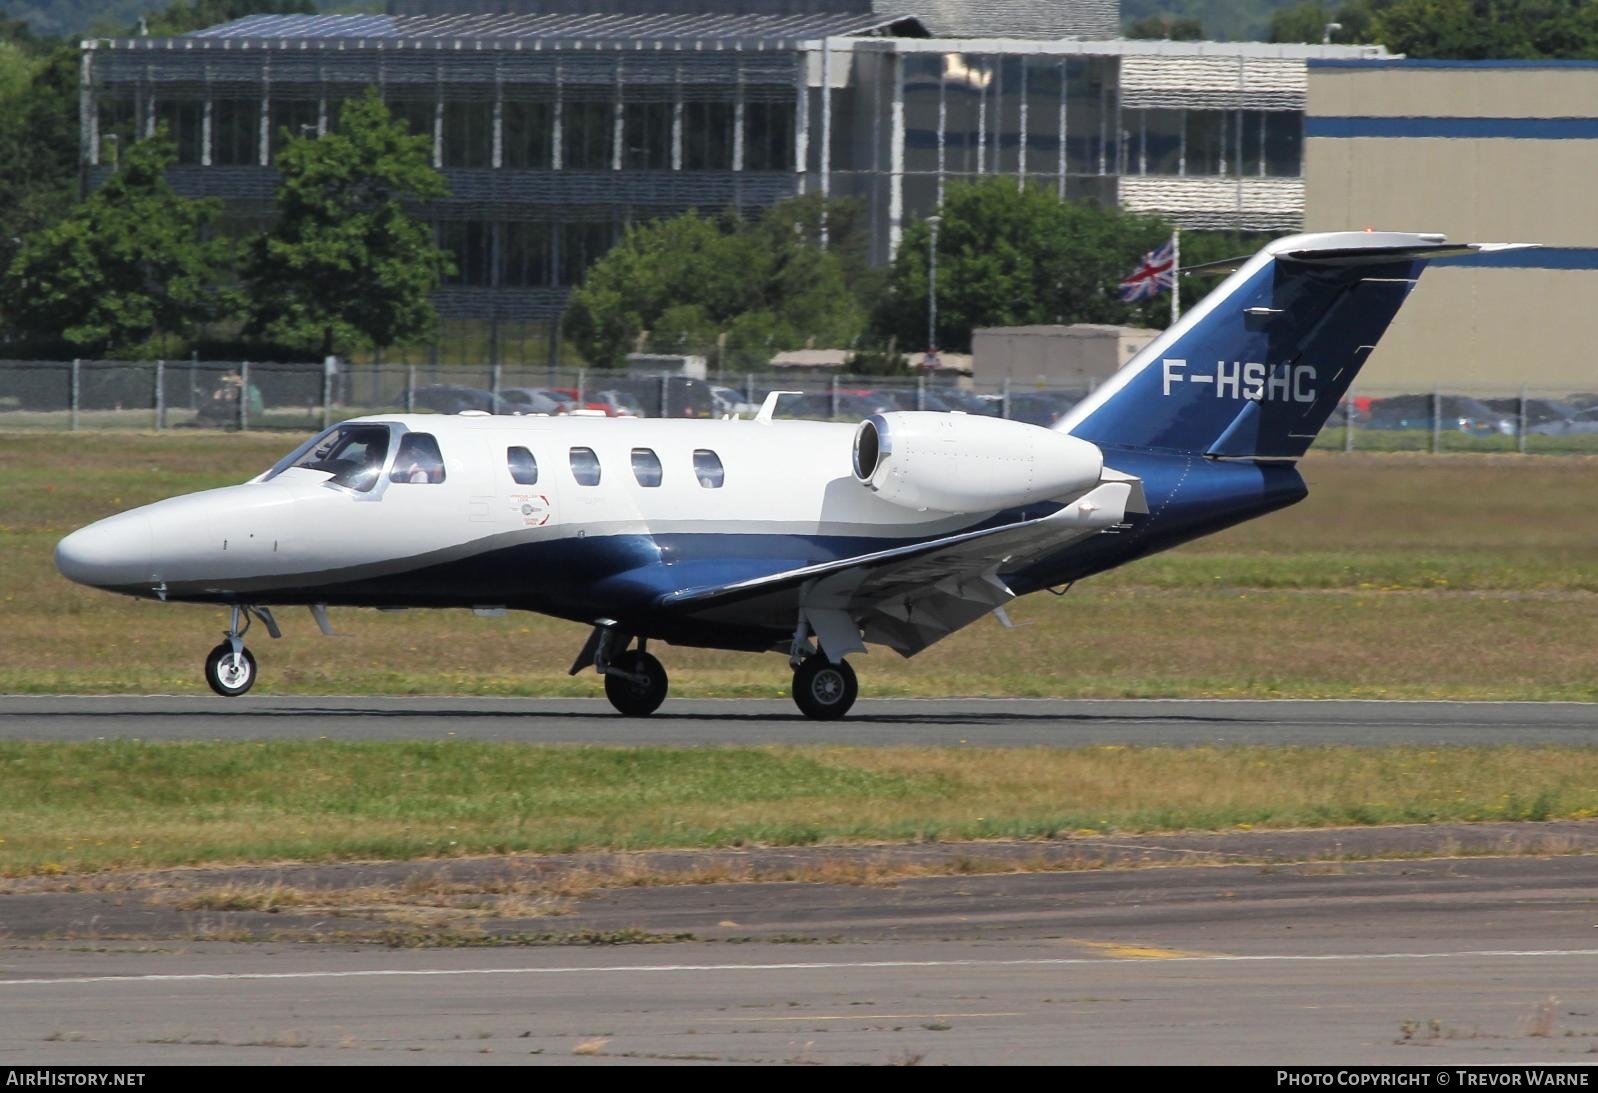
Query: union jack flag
[[1153, 276]]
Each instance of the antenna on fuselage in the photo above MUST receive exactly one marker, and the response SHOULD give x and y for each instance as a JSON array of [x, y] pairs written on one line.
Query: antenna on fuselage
[[768, 409]]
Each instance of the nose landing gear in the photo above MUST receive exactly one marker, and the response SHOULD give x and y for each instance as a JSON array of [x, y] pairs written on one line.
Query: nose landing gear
[[229, 671], [635, 682], [230, 667]]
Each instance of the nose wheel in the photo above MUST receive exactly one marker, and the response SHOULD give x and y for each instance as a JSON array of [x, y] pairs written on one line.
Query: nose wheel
[[230, 672], [824, 689], [230, 667]]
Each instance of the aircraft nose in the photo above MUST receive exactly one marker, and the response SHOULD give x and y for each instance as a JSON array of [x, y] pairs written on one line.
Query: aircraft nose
[[117, 551]]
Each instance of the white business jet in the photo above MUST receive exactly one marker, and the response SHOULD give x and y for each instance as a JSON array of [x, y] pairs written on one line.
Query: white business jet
[[808, 538]]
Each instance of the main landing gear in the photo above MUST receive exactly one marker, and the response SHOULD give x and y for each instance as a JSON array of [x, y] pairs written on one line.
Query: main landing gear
[[636, 682], [824, 689], [230, 667]]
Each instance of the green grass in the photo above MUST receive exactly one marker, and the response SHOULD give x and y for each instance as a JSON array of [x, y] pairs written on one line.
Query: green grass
[[119, 804], [1334, 439], [1402, 576]]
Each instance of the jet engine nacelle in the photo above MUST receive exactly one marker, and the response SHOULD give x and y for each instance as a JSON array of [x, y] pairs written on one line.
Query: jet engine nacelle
[[961, 463]]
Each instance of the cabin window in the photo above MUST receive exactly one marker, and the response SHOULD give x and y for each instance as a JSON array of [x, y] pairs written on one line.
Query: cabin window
[[708, 469], [418, 461], [646, 467], [585, 466], [523, 467]]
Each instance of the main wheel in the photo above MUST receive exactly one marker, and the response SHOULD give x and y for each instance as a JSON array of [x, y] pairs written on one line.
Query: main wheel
[[824, 689], [228, 674], [637, 697]]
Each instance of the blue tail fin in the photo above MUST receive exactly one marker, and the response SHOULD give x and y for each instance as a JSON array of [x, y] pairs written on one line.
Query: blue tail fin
[[1259, 365]]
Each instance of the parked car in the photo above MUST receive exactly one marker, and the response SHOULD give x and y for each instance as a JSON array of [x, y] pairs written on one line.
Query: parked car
[[452, 398], [1456, 412], [595, 402], [615, 403], [1540, 412], [536, 400], [1043, 408], [727, 400], [958, 398], [684, 396], [1578, 423]]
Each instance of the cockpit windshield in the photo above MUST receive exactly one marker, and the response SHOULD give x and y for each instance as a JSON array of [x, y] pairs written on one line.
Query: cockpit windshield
[[353, 454]]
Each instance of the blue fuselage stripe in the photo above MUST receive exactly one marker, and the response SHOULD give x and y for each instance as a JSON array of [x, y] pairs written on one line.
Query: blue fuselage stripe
[[1452, 128], [627, 576], [1571, 258]]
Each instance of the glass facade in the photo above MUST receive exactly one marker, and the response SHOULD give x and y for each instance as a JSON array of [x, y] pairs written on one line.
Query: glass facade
[[528, 127], [707, 134], [551, 154], [184, 122], [469, 132], [1011, 115], [524, 254], [646, 136], [768, 136], [289, 118], [587, 129], [235, 131], [1228, 143]]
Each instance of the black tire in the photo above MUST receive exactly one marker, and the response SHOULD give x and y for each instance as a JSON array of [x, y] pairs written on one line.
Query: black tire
[[227, 677], [632, 697], [823, 689]]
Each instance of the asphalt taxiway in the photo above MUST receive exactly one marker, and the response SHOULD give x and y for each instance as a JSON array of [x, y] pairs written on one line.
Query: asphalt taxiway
[[977, 721], [1459, 961]]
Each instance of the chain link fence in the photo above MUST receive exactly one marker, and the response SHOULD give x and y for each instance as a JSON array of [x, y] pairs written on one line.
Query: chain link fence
[[301, 398]]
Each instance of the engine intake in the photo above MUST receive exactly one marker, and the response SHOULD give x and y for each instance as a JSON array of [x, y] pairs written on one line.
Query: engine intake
[[960, 463]]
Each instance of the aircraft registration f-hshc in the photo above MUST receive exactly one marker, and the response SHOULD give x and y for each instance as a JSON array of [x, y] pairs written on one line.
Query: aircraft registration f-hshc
[[807, 538]]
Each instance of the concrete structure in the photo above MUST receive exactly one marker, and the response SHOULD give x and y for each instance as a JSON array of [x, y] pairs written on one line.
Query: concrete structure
[[1079, 356], [1497, 151], [560, 122]]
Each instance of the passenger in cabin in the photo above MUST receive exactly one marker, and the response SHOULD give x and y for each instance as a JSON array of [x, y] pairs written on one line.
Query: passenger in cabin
[[418, 460]]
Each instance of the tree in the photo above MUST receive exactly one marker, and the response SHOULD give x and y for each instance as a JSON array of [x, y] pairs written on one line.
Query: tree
[[38, 137], [701, 284], [346, 264], [127, 264], [120, 18], [1009, 257], [1456, 29], [1167, 28], [189, 15], [1308, 22]]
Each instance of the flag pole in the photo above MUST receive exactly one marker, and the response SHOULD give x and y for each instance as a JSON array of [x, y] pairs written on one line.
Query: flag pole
[[1176, 278]]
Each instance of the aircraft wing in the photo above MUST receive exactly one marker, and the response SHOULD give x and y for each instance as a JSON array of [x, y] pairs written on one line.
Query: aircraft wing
[[911, 596]]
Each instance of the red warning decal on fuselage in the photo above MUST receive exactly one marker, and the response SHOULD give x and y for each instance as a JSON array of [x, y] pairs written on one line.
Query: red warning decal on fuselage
[[534, 508]]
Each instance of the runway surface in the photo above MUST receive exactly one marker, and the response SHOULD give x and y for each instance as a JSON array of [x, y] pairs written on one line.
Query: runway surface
[[1466, 961], [990, 722], [1433, 958]]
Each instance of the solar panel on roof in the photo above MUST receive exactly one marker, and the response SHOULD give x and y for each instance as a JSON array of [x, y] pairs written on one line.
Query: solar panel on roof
[[599, 27]]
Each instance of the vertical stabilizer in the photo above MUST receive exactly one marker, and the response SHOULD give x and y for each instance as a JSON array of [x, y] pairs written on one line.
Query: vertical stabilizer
[[1255, 370]]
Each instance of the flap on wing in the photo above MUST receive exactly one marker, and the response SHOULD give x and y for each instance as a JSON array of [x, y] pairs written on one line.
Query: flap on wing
[[866, 578]]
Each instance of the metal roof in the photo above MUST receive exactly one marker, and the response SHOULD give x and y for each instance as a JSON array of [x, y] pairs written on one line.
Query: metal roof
[[549, 28]]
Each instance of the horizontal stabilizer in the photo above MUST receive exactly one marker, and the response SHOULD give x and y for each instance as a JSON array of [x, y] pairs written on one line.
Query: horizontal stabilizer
[[1344, 256]]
